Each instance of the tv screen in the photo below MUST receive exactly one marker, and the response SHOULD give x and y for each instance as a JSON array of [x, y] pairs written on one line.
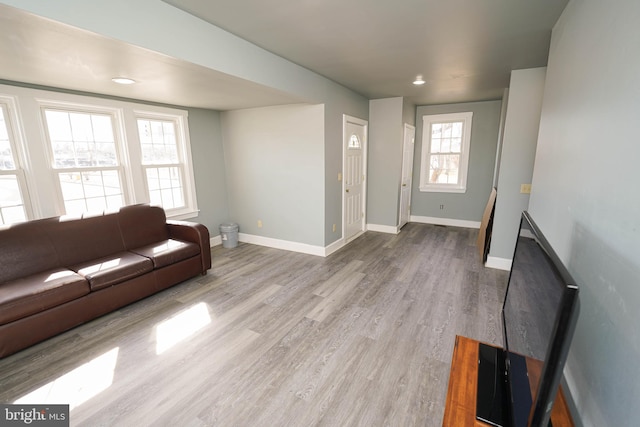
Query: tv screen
[[539, 314]]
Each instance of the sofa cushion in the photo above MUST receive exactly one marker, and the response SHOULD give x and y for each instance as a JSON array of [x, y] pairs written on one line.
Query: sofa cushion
[[38, 292], [84, 239], [142, 225], [25, 250], [111, 270], [168, 252]]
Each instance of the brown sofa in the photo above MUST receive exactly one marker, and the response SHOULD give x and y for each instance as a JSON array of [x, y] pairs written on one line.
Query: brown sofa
[[57, 273]]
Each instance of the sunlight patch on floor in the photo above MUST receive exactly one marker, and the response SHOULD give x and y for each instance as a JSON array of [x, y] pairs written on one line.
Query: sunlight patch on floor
[[181, 326], [77, 386]]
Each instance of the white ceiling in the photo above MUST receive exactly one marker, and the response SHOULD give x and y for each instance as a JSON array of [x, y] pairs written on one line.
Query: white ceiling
[[465, 49], [40, 51]]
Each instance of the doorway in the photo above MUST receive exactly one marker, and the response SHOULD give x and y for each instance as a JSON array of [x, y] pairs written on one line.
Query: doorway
[[408, 145], [353, 173]]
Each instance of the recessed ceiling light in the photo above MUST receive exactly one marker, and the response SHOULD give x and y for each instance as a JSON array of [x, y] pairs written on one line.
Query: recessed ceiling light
[[123, 80], [418, 81]]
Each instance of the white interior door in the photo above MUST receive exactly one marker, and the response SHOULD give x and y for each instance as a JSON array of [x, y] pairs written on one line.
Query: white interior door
[[407, 172], [353, 172]]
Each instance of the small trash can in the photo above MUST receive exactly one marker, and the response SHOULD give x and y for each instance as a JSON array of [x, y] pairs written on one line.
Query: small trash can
[[229, 235]]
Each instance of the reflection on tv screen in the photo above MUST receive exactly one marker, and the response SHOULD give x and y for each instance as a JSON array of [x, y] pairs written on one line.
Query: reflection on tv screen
[[535, 290]]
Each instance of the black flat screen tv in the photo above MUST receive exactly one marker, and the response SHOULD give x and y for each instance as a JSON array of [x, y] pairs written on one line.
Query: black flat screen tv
[[517, 384]]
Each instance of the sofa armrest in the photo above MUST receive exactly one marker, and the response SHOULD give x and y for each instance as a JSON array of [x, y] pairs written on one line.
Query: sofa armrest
[[193, 232]]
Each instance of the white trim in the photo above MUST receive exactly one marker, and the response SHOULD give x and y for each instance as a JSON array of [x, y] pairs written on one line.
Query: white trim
[[444, 221], [179, 118], [354, 237], [286, 245], [406, 130], [215, 241], [442, 188], [527, 234], [498, 263], [282, 244], [333, 247], [122, 166], [15, 133], [365, 144], [461, 186], [42, 187], [391, 229], [182, 216]]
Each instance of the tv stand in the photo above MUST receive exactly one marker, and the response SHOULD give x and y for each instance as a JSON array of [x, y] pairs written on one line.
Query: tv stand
[[460, 408]]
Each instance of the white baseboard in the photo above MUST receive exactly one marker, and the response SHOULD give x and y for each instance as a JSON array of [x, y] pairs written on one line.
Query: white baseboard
[[445, 221], [282, 244], [338, 244], [215, 241], [391, 229], [498, 263]]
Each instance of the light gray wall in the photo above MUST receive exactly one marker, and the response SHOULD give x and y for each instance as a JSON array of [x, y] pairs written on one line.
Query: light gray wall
[[337, 103], [408, 112], [206, 45], [503, 116], [384, 160], [526, 89], [586, 200], [275, 171], [386, 126], [467, 206], [208, 168]]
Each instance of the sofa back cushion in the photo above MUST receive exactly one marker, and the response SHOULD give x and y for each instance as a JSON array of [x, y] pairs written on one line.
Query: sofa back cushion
[[142, 225], [25, 250], [82, 239]]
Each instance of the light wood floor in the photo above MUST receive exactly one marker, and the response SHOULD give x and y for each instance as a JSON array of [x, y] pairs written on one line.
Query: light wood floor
[[363, 337]]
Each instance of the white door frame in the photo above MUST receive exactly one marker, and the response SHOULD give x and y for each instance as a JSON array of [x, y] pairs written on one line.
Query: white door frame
[[412, 129], [350, 119]]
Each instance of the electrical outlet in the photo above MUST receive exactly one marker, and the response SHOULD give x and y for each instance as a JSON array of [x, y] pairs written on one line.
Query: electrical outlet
[[525, 188], [259, 223], [441, 207]]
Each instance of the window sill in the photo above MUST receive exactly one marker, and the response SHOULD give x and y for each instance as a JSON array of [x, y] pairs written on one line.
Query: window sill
[[442, 189], [182, 214]]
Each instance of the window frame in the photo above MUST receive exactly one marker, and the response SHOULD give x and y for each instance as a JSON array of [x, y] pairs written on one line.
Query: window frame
[[119, 137], [41, 190], [185, 165], [8, 107], [427, 122]]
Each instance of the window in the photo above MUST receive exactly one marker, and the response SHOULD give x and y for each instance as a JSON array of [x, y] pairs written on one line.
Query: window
[[160, 161], [445, 152], [77, 154], [85, 159], [13, 207], [164, 160], [354, 142]]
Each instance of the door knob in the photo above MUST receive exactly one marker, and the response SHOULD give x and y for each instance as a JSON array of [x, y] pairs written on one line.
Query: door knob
[[347, 190], [404, 185]]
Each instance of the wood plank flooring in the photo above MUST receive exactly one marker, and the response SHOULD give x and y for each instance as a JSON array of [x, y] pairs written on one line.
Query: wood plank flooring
[[363, 337]]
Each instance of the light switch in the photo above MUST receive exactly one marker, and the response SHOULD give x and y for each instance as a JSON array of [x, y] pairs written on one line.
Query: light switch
[[525, 188], [339, 176]]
